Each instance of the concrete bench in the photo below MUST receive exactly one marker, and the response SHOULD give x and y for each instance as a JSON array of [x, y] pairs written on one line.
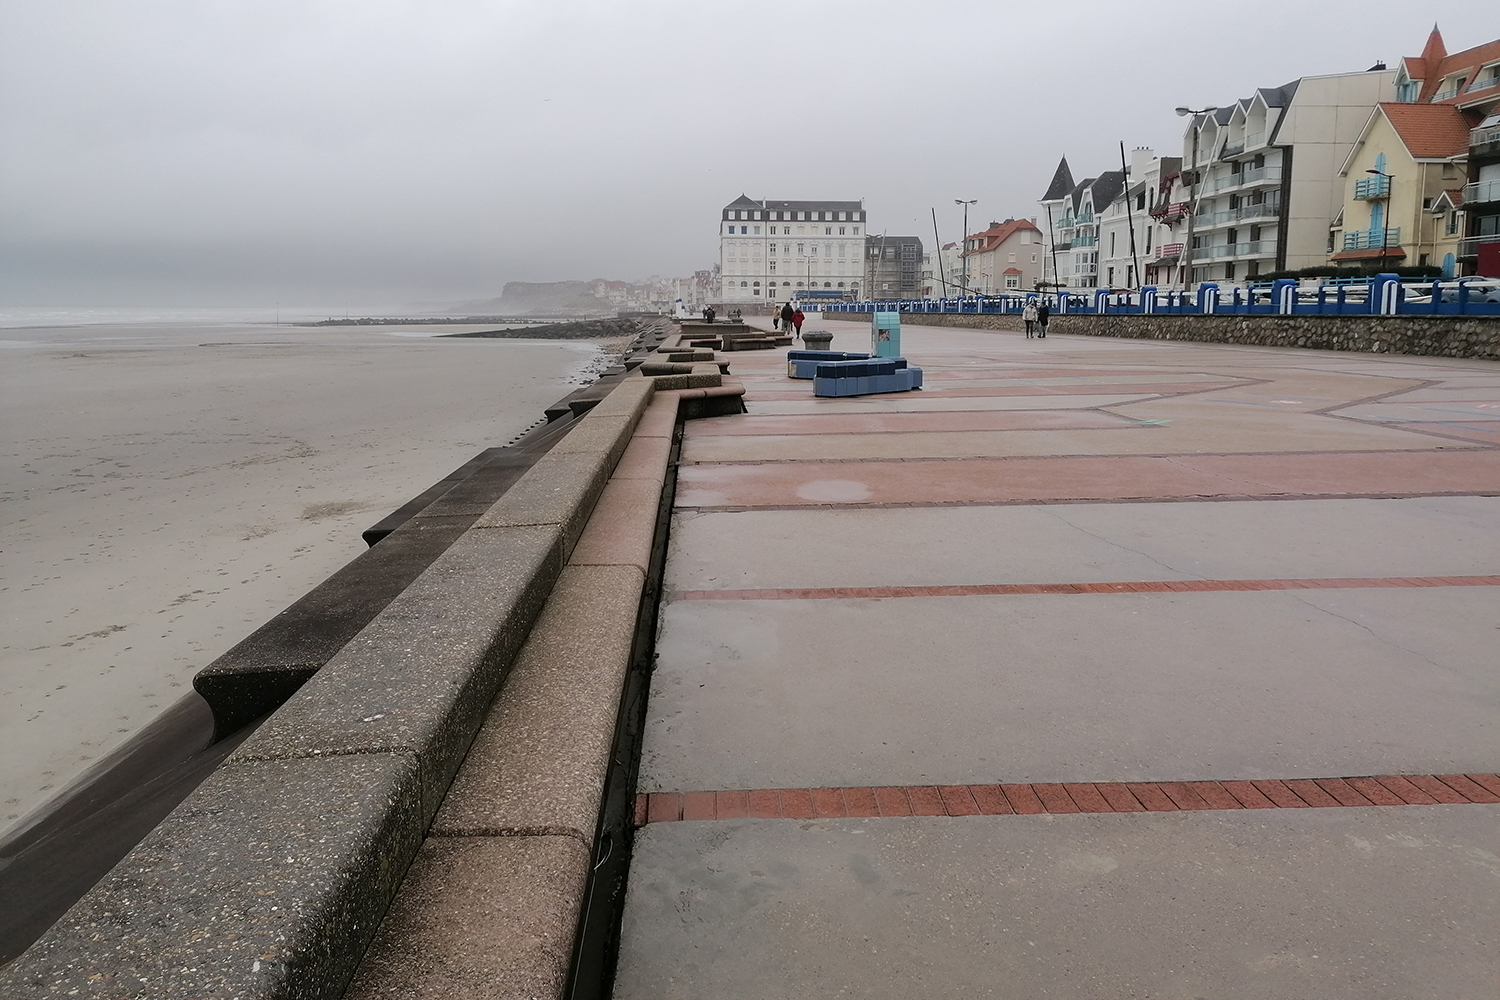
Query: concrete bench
[[804, 364], [863, 378]]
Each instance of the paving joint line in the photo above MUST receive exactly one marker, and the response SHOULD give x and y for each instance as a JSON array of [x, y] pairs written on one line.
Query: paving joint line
[[1057, 798]]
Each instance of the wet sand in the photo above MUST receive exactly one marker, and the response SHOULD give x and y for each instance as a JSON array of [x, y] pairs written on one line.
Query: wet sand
[[164, 490]]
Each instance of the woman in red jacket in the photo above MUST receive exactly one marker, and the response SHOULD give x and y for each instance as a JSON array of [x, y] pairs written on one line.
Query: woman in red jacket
[[797, 319]]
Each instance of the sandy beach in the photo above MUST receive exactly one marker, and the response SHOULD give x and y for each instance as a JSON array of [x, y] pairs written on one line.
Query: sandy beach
[[165, 489]]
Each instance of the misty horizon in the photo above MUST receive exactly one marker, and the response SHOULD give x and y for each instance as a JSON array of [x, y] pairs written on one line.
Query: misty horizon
[[165, 154]]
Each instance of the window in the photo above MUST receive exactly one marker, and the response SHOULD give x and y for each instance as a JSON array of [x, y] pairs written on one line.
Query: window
[[827, 230], [1229, 271], [771, 267], [757, 230], [744, 284], [1012, 281], [856, 230], [1033, 258], [801, 217], [842, 231], [1012, 258], [1140, 202], [1451, 229], [802, 248], [756, 216]]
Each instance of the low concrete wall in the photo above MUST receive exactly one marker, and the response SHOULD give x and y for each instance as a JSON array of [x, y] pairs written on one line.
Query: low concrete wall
[[270, 879], [1437, 336]]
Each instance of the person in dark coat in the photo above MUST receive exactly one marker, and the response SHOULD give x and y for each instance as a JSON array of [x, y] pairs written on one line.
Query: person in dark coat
[[1043, 313], [709, 314], [786, 316]]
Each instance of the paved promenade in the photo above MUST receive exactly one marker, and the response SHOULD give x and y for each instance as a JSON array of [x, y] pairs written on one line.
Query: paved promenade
[[1088, 671]]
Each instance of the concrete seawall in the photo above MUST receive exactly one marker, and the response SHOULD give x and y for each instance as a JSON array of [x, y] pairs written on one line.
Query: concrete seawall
[[271, 879], [1438, 336]]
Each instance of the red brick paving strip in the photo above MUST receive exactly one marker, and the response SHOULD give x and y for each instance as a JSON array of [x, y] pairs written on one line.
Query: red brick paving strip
[[1076, 797], [1123, 587]]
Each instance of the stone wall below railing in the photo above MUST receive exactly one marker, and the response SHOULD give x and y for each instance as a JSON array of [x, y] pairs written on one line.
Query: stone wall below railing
[[1435, 336]]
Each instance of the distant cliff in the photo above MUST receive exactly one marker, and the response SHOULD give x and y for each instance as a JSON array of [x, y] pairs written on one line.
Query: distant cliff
[[545, 298]]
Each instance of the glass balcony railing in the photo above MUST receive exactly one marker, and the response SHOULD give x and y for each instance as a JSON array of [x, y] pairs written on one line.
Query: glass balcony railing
[[1470, 247], [1084, 241], [1443, 95], [1265, 210], [1373, 239], [1481, 137], [1254, 175], [1252, 248], [1372, 187], [1482, 192]]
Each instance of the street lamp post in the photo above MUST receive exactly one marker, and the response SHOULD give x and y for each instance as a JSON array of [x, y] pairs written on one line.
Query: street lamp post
[[966, 204], [1385, 219], [1187, 248]]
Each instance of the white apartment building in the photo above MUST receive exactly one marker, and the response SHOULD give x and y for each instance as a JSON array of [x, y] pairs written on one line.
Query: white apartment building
[[1267, 167], [1071, 233], [1144, 209], [769, 249]]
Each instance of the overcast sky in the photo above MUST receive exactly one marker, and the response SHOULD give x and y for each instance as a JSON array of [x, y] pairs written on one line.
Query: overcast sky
[[238, 153]]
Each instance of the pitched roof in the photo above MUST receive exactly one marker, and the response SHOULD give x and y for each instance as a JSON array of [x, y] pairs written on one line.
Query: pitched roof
[[1435, 65], [1062, 182], [743, 201], [1107, 187], [1430, 131], [999, 232]]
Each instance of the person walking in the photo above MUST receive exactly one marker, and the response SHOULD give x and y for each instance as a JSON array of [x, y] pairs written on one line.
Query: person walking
[[775, 318], [786, 316], [797, 319], [1029, 316], [1043, 313]]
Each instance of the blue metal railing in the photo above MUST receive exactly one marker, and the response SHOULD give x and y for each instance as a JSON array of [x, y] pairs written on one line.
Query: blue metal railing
[[1372, 239], [1384, 294]]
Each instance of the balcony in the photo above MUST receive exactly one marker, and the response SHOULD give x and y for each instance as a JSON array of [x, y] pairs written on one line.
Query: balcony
[[1170, 213], [1254, 175], [1444, 95], [1265, 210], [1484, 141], [1084, 241], [1253, 248], [1373, 187], [1373, 239], [1481, 192], [1470, 247], [1232, 149], [1168, 252], [1255, 139]]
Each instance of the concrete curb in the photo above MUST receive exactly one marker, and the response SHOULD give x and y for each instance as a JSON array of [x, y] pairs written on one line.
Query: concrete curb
[[270, 879]]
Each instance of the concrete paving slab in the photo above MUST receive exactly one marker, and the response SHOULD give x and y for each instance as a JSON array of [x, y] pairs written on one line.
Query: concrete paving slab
[[1125, 687], [1072, 543], [901, 423], [920, 402], [1001, 480], [1380, 904], [1156, 434]]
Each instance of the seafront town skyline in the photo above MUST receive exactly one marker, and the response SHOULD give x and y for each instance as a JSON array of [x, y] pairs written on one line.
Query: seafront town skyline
[[226, 167]]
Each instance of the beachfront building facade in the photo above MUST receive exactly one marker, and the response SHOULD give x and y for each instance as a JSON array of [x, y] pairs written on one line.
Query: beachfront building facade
[[1403, 189], [1139, 238], [770, 250], [893, 267], [1071, 237], [1006, 257], [1468, 81], [1266, 182]]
